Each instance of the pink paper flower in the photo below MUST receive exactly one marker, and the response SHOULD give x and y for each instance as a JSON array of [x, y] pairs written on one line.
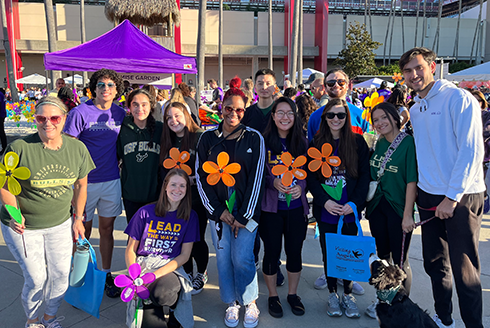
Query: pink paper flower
[[134, 283]]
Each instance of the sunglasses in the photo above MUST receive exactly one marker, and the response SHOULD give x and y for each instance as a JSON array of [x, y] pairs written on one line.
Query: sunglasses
[[53, 119], [102, 85], [230, 109], [340, 82], [331, 116]]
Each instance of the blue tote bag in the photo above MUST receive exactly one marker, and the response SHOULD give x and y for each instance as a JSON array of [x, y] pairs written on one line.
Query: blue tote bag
[[88, 297], [348, 256]]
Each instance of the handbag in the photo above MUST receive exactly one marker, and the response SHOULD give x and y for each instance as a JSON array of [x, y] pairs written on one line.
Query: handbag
[[88, 297], [348, 256], [373, 185]]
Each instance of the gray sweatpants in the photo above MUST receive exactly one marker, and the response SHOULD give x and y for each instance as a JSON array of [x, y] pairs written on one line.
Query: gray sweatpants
[[46, 267]]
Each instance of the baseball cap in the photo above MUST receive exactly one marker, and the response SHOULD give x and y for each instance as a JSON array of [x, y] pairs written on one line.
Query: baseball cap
[[313, 77]]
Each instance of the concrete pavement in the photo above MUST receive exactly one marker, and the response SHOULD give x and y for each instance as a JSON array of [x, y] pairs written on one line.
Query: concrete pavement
[[209, 310]]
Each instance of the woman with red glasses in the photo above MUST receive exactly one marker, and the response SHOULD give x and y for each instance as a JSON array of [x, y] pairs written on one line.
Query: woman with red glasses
[[235, 223], [353, 174], [42, 243], [181, 132]]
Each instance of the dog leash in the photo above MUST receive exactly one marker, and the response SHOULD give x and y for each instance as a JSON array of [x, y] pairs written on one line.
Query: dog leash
[[418, 224]]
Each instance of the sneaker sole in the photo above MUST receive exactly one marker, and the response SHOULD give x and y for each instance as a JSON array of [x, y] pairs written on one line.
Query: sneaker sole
[[196, 291], [334, 314], [370, 315], [320, 287], [251, 325], [231, 324]]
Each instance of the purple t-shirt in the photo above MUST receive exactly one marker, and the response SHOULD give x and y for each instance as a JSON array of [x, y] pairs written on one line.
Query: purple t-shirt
[[337, 174], [98, 130], [162, 236]]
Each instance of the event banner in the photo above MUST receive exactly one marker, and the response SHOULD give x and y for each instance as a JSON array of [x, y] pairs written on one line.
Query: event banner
[[143, 78]]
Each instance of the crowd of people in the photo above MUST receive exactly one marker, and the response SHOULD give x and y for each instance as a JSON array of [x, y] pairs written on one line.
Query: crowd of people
[[249, 176]]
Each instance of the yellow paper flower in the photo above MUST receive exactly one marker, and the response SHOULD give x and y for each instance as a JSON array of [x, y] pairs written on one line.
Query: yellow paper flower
[[10, 171]]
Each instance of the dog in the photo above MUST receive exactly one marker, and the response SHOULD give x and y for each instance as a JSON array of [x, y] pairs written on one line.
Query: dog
[[395, 309]]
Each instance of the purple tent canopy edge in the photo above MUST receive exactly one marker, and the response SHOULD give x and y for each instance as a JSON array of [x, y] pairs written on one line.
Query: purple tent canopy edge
[[124, 49]]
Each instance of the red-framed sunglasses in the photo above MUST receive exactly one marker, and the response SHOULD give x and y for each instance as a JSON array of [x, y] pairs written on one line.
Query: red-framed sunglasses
[[230, 109], [40, 119]]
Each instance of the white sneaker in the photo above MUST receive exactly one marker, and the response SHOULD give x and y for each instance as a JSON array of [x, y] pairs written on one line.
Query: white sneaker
[[371, 310], [231, 315], [53, 324], [321, 282], [251, 319], [440, 324], [34, 325], [356, 288]]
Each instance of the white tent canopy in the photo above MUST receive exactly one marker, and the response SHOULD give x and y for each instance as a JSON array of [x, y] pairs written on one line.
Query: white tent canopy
[[372, 83], [78, 79], [33, 79], [306, 73], [477, 73]]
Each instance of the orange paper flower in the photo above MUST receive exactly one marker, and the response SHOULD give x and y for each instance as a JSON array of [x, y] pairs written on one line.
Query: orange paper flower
[[221, 171], [373, 100], [177, 159], [397, 77], [323, 160], [290, 168]]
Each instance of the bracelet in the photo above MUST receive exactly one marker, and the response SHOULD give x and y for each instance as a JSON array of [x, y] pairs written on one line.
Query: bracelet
[[78, 218]]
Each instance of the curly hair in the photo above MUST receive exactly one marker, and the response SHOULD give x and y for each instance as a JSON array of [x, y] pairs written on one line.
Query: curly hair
[[109, 74], [235, 92], [306, 106]]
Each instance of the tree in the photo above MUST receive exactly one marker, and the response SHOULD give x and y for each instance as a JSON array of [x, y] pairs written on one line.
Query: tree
[[389, 69], [358, 56]]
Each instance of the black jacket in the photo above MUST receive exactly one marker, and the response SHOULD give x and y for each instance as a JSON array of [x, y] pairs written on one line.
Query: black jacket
[[249, 185], [357, 188], [255, 119]]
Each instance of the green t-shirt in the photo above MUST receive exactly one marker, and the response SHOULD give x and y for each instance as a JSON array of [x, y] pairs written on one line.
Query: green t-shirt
[[46, 196], [400, 170], [266, 110]]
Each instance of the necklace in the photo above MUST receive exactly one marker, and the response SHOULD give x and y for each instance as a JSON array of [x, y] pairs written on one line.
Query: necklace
[[52, 148]]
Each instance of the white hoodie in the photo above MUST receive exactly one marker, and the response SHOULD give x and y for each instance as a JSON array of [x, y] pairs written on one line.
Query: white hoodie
[[448, 138]]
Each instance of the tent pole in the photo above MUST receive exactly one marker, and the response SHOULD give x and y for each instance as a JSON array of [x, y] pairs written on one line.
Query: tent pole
[[73, 80], [47, 83]]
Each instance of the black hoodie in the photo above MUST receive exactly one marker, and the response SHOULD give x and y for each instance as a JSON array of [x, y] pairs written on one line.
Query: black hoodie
[[139, 174]]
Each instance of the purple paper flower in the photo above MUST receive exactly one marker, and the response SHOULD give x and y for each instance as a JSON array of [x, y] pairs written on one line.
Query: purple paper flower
[[134, 283]]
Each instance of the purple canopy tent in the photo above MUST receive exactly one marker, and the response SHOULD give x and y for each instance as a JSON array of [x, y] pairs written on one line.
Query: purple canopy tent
[[124, 49]]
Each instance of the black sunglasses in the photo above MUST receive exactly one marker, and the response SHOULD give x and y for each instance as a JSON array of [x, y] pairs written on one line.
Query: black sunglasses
[[340, 82], [331, 116]]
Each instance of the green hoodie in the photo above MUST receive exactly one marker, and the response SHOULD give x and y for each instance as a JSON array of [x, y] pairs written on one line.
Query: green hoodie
[[139, 174]]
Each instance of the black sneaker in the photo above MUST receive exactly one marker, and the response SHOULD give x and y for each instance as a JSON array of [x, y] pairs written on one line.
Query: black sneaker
[[296, 306], [280, 277], [111, 290], [275, 307]]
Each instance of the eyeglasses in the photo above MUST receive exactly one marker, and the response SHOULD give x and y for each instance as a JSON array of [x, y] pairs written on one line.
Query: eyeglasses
[[340, 82], [331, 116], [230, 109], [102, 85], [43, 119], [280, 114]]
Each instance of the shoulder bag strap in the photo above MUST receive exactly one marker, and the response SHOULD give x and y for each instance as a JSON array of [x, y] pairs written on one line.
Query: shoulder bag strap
[[394, 145]]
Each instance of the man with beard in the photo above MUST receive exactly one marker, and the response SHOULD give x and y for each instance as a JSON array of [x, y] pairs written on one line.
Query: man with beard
[[449, 146], [336, 83]]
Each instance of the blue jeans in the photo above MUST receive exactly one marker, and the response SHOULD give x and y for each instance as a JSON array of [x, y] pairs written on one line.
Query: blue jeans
[[236, 265]]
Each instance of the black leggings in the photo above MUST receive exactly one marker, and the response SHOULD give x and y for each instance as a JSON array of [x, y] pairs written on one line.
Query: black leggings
[[293, 225], [200, 249], [163, 292], [386, 228], [349, 229], [131, 208]]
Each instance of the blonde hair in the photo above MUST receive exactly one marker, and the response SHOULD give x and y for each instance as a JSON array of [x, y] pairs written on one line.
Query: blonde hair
[[53, 101]]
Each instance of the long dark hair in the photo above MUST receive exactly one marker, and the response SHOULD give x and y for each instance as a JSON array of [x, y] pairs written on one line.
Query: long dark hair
[[185, 207], [347, 149], [398, 98], [169, 137], [306, 106], [150, 121], [295, 141]]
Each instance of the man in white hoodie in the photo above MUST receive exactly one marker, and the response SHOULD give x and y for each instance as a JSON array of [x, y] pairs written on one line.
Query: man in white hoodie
[[447, 131]]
